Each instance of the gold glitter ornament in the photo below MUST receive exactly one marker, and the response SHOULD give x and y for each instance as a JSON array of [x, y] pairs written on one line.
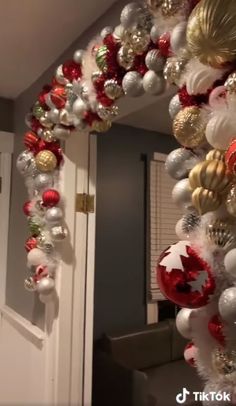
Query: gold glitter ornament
[[46, 161], [139, 41], [217, 154], [101, 126], [189, 127], [205, 200], [230, 83], [211, 32], [231, 201], [224, 362], [171, 7], [125, 57], [174, 69]]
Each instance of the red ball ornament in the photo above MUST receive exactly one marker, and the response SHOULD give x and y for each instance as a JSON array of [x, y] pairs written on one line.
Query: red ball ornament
[[31, 140], [190, 353], [27, 207], [58, 96], [216, 329], [185, 278], [42, 96], [30, 244], [104, 100], [50, 198], [230, 158], [71, 70], [90, 117], [164, 44]]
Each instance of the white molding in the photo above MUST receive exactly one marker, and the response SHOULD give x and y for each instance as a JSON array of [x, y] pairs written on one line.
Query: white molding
[[160, 157], [6, 142], [23, 326], [152, 313]]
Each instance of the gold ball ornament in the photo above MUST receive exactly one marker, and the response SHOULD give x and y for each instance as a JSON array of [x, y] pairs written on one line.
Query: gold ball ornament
[[189, 127], [139, 41], [211, 32], [211, 175], [221, 234], [171, 7], [125, 57], [101, 126], [224, 362], [173, 70], [231, 201], [205, 200], [46, 161], [217, 154], [230, 83]]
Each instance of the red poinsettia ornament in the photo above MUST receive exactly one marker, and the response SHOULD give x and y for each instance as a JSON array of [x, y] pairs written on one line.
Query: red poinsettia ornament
[[184, 277]]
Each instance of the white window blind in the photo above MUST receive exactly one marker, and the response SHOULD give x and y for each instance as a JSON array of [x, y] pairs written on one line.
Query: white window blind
[[163, 218]]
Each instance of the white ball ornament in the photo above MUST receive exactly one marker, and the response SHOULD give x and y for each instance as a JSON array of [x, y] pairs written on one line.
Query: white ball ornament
[[220, 130], [153, 83], [79, 108], [178, 37], [230, 263], [155, 61], [46, 286], [227, 305], [174, 106], [183, 322], [133, 84], [182, 194], [36, 257]]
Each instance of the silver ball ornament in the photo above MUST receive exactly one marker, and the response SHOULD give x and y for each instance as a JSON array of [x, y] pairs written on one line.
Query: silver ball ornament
[[43, 181], [183, 323], [107, 113], [130, 15], [179, 162], [78, 56], [58, 233], [133, 84], [79, 108], [106, 31], [227, 305], [178, 37], [230, 264], [46, 286], [154, 34], [152, 83], [54, 115], [26, 163], [155, 61], [112, 89], [54, 215], [44, 242], [174, 106], [182, 194]]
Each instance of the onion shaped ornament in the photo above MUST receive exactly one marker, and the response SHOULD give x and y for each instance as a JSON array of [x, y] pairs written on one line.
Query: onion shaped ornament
[[189, 127], [216, 154], [211, 175], [205, 200], [200, 78]]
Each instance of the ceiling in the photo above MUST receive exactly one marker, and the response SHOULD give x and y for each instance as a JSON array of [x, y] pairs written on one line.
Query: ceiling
[[35, 32]]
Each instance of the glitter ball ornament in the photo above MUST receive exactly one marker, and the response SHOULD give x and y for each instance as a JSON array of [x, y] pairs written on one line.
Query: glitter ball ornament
[[182, 195], [133, 84], [190, 354], [58, 233], [185, 278], [170, 7], [230, 83], [38, 110], [30, 244], [205, 200], [50, 197], [191, 221], [130, 15], [231, 201], [43, 181], [139, 41], [45, 286], [46, 161], [125, 57], [107, 113], [189, 127], [71, 70], [221, 233], [174, 70], [30, 284], [153, 83], [216, 329], [112, 89], [227, 305], [230, 157], [101, 126], [179, 162], [224, 362], [154, 60], [26, 163], [183, 323]]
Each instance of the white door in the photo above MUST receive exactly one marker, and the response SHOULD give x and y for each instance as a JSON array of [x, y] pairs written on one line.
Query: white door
[[53, 366]]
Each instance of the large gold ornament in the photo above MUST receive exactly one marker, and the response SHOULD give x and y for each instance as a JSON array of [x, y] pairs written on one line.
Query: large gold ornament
[[211, 175], [46, 161], [189, 127], [211, 32], [101, 126], [205, 200], [217, 154], [174, 69], [171, 7]]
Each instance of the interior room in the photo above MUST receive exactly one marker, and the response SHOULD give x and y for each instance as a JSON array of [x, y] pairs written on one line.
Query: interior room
[[118, 203]]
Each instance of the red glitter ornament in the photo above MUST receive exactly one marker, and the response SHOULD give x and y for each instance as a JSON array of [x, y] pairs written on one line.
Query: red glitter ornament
[[31, 140], [27, 207], [215, 327], [30, 244], [230, 157], [139, 64], [71, 70], [190, 353], [42, 96], [50, 197], [164, 44], [35, 124], [104, 100], [185, 278], [90, 117], [58, 97], [188, 100]]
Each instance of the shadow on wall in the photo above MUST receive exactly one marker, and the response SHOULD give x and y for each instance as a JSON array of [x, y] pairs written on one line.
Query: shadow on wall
[[120, 269]]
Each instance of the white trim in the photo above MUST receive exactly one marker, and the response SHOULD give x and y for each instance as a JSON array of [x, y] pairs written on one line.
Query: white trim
[[6, 142], [23, 326], [152, 313], [160, 157]]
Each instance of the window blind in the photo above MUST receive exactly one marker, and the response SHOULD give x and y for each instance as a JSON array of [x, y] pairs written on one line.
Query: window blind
[[163, 218]]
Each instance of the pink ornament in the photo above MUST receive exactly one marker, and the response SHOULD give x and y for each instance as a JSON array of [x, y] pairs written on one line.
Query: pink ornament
[[30, 244], [190, 353], [27, 207], [185, 278]]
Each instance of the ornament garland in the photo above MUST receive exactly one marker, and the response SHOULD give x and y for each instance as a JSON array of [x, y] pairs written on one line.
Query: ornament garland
[[191, 44]]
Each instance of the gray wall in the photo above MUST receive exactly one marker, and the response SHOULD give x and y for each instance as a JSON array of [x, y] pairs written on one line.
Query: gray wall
[[6, 114], [120, 230], [25, 303]]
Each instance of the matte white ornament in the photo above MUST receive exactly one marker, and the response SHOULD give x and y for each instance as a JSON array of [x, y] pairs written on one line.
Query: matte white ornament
[[130, 15], [54, 215], [183, 323], [174, 106], [79, 108], [36, 257], [182, 194], [220, 130], [230, 263], [133, 84], [178, 37], [155, 61], [152, 83], [227, 305], [46, 286]]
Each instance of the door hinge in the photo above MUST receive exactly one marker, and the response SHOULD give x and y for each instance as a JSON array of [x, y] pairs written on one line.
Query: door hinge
[[84, 203]]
